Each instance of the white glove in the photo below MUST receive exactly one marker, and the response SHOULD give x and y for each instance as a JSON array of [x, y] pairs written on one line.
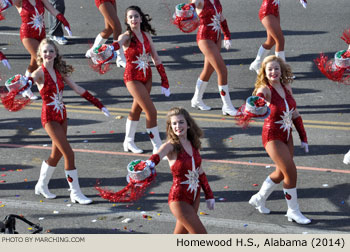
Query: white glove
[[277, 2], [210, 204], [6, 63], [305, 146], [166, 91], [227, 44], [68, 31], [303, 3], [105, 111]]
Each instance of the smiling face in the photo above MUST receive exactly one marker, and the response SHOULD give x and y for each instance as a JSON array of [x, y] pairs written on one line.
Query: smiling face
[[179, 125], [133, 18], [273, 72], [48, 52]]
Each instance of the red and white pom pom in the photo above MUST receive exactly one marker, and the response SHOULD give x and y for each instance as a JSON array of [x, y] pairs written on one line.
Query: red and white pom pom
[[101, 57], [140, 176], [346, 36], [185, 18], [332, 71], [254, 108], [10, 95]]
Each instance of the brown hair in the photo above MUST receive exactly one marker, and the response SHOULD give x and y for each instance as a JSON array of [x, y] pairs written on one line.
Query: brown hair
[[59, 64], [194, 133], [145, 25], [286, 73]]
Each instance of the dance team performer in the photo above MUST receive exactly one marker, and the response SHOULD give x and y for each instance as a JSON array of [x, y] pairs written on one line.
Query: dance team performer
[[108, 9], [273, 84], [32, 29], [139, 48], [50, 79], [4, 60], [212, 23], [270, 18], [182, 150]]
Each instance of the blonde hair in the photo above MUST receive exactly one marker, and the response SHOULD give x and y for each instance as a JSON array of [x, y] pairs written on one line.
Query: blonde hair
[[60, 65], [286, 73], [194, 133]]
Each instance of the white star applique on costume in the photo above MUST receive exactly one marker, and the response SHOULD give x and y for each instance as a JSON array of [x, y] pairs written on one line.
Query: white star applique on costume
[[216, 23], [286, 121], [193, 180], [37, 21], [57, 101], [142, 61]]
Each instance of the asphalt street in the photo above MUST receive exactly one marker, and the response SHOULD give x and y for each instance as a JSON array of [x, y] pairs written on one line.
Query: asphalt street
[[234, 159]]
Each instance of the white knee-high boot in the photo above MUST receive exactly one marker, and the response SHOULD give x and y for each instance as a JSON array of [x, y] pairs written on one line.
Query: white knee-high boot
[[197, 101], [129, 144], [121, 60], [75, 193], [227, 107], [293, 212], [281, 55], [262, 53], [258, 200], [155, 138], [41, 186], [346, 159], [98, 41]]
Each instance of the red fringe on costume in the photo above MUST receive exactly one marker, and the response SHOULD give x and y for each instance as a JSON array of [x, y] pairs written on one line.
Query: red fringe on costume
[[10, 102], [346, 36], [1, 17], [331, 71], [131, 193]]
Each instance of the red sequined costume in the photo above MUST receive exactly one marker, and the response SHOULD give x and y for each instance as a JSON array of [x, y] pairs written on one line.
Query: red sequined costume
[[209, 19], [268, 7], [99, 2], [137, 60], [32, 20], [53, 108], [278, 125], [182, 190]]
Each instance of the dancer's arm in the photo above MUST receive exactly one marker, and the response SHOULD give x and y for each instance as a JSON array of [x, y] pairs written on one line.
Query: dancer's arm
[[153, 160], [60, 17], [158, 63], [226, 32], [209, 196], [265, 93], [299, 125], [122, 39], [86, 94]]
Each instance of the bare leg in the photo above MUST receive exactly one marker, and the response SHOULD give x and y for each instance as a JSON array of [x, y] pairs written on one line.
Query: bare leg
[[56, 155], [57, 133], [282, 156], [142, 102], [112, 23], [274, 33], [187, 217], [213, 60], [31, 45]]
